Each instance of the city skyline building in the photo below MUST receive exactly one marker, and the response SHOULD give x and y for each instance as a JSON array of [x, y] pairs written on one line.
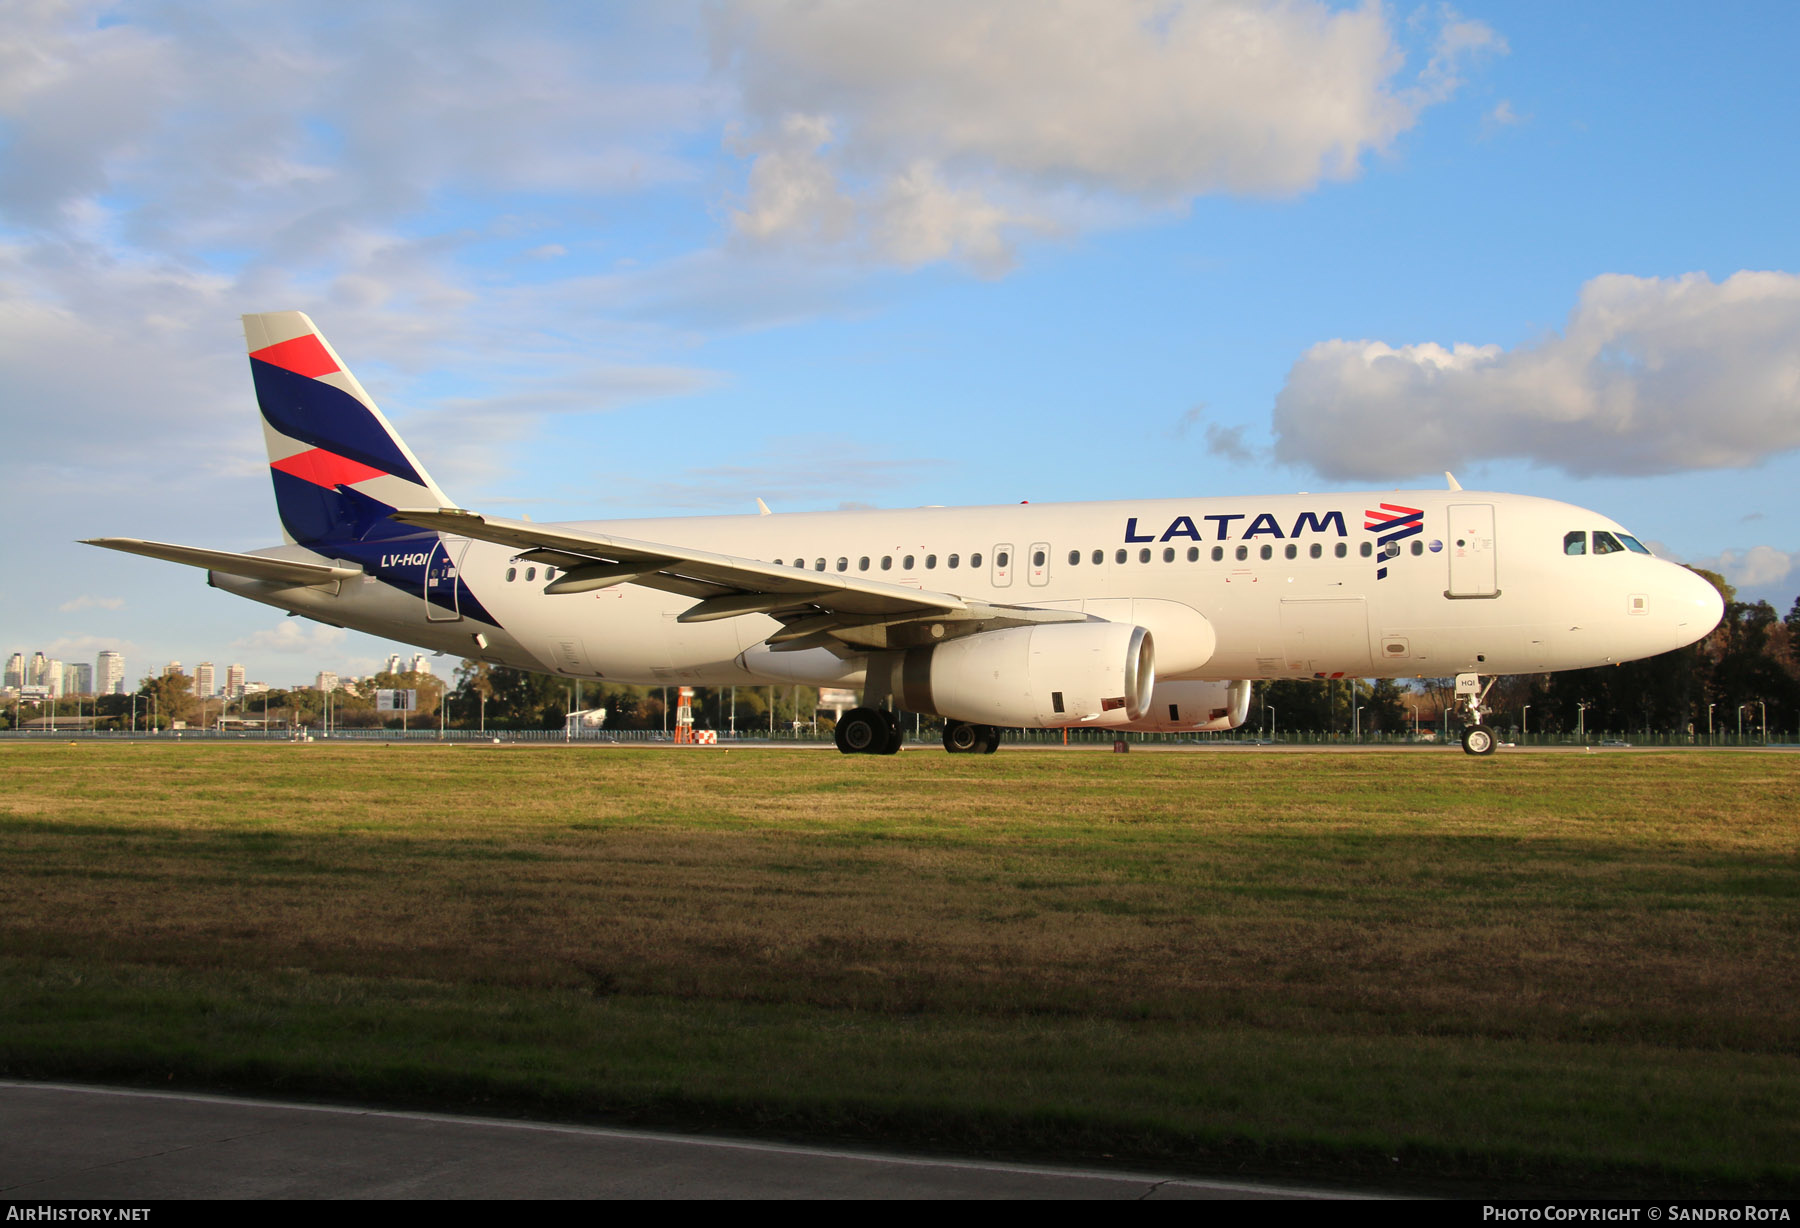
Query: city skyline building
[[109, 673]]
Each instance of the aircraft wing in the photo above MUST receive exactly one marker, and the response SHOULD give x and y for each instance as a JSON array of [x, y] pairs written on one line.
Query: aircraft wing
[[255, 566], [819, 609]]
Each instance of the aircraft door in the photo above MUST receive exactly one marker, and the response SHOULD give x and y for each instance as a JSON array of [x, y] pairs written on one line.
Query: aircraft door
[[1473, 572], [1039, 563], [1003, 565], [442, 587]]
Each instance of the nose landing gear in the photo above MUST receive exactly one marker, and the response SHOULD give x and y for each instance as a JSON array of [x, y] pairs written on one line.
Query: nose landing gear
[[1477, 739]]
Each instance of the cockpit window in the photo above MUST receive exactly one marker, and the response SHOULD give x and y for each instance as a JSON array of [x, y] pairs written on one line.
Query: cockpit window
[[1575, 543], [1606, 543], [1633, 544]]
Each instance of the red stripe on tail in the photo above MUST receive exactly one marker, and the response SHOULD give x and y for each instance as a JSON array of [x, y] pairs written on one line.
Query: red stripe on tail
[[323, 468], [304, 355]]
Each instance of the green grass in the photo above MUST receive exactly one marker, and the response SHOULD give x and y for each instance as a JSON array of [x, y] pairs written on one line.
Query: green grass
[[1536, 972]]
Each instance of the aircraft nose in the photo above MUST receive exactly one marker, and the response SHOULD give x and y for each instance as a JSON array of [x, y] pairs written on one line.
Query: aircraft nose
[[1697, 605]]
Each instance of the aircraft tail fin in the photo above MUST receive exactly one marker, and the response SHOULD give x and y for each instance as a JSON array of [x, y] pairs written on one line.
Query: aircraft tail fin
[[337, 464]]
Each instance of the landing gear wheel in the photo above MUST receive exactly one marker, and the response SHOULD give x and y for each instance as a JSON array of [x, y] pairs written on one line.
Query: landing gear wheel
[[990, 739], [1479, 740], [896, 737], [863, 731], [962, 738]]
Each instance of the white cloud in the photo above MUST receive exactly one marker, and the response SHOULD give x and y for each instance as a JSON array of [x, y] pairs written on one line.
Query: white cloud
[[291, 636], [87, 647], [1227, 443], [84, 602], [1759, 567], [164, 169], [1650, 375], [257, 125], [939, 128]]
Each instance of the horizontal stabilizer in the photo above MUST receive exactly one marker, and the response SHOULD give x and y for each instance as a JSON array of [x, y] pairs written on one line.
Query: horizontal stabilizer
[[254, 566]]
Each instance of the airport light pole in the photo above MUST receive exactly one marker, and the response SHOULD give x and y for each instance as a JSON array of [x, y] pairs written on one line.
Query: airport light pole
[[1741, 708], [1709, 728], [1525, 720], [1415, 712], [1581, 721], [1271, 709], [1356, 723]]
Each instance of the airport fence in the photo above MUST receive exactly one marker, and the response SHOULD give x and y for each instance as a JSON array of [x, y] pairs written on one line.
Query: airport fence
[[924, 733]]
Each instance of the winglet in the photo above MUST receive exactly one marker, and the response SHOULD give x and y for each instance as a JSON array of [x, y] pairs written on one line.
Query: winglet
[[762, 509], [1451, 478]]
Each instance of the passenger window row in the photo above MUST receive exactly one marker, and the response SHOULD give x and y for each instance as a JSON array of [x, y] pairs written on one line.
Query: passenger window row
[[1169, 554], [1604, 543]]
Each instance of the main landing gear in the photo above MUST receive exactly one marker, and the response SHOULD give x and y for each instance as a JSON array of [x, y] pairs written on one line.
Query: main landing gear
[[962, 738], [869, 731], [1477, 739]]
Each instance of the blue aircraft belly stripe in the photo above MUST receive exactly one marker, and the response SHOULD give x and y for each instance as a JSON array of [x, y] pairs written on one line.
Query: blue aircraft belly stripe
[[409, 578]]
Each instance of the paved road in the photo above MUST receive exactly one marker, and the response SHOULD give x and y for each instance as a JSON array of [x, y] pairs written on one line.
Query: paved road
[[68, 1142]]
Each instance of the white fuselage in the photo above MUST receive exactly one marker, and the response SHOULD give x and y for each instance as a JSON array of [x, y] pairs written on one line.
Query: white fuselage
[[1234, 588]]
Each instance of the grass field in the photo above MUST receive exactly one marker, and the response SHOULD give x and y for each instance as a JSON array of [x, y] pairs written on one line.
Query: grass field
[[1532, 973]]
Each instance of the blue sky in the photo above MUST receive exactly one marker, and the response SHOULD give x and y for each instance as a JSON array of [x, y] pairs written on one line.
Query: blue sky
[[663, 259]]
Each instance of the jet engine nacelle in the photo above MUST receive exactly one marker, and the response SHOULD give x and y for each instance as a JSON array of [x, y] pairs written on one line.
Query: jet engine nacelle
[[1195, 707], [1043, 677]]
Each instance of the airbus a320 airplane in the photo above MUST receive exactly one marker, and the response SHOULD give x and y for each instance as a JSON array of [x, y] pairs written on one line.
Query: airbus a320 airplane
[[1142, 615]]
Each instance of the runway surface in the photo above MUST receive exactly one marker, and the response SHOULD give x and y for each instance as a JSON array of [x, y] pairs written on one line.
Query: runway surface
[[73, 1142]]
